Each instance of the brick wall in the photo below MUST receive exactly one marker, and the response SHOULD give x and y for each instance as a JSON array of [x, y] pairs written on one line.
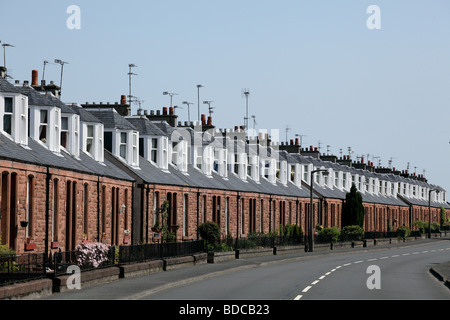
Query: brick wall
[[85, 207], [72, 207]]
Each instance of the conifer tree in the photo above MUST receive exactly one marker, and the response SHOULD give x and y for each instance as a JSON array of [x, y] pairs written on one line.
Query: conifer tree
[[353, 209]]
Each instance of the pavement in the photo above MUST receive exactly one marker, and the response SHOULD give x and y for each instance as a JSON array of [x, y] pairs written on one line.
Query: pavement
[[162, 280]]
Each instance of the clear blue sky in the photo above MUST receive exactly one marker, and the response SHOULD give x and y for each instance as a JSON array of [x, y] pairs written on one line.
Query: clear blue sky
[[311, 65]]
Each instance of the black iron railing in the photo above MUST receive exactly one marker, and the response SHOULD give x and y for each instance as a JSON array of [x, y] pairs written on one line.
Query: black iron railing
[[18, 268], [154, 251]]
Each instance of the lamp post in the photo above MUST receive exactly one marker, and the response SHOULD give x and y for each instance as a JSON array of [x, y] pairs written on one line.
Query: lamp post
[[429, 211], [311, 215]]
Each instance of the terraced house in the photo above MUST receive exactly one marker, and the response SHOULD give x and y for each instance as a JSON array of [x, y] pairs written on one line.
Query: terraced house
[[73, 173]]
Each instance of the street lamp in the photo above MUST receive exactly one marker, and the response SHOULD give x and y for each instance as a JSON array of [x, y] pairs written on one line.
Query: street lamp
[[429, 210], [311, 216]]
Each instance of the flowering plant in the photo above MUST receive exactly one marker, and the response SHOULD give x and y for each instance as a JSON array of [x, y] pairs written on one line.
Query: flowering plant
[[92, 254]]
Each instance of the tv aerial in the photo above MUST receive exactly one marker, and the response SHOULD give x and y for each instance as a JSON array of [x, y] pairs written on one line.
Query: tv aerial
[[131, 98], [245, 93]]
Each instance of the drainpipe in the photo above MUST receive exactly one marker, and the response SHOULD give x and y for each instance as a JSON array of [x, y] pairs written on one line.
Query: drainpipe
[[198, 211], [47, 209], [98, 208], [270, 213], [238, 206], [147, 212]]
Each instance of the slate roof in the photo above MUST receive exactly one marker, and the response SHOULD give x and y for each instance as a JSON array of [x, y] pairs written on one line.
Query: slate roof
[[36, 98], [6, 86], [85, 116], [111, 119], [39, 155], [145, 126]]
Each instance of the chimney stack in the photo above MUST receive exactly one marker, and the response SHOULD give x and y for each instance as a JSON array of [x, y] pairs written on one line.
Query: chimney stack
[[34, 78]]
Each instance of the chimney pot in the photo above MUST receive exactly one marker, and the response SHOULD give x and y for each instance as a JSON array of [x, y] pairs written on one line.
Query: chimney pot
[[34, 78], [297, 142], [164, 110], [292, 142], [123, 99], [171, 111], [203, 119], [209, 121]]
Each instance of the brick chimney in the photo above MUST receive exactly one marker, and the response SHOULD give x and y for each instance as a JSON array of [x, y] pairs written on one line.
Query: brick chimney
[[34, 78]]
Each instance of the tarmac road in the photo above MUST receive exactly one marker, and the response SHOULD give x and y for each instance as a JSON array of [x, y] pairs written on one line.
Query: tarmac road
[[339, 274]]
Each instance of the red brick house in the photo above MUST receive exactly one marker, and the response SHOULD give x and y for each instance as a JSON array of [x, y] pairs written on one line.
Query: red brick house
[[74, 173]]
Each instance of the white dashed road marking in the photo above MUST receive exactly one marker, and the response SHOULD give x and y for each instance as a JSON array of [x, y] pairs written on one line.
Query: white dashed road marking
[[360, 261]]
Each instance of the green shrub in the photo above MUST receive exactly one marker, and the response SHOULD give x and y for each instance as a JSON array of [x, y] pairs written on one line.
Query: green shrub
[[403, 232], [352, 233], [442, 216], [5, 251], [210, 232], [420, 226], [328, 235], [291, 230]]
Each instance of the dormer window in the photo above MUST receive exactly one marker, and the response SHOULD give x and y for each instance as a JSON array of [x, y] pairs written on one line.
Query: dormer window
[[199, 157], [43, 123], [306, 173], [154, 150], [180, 155], [65, 132], [220, 162], [8, 115], [123, 145], [134, 149], [236, 164], [209, 158], [325, 179], [90, 139]]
